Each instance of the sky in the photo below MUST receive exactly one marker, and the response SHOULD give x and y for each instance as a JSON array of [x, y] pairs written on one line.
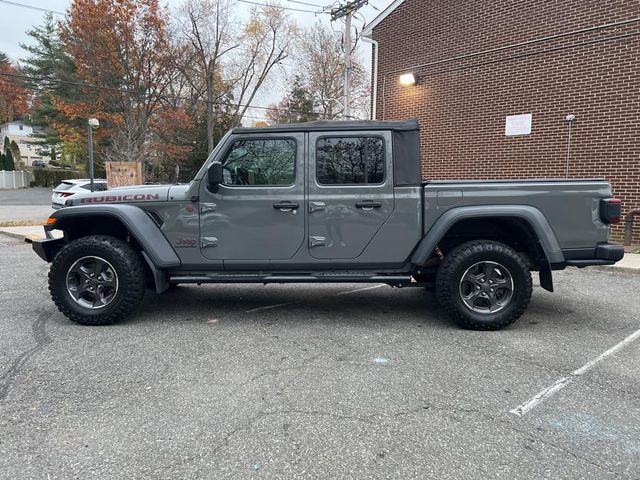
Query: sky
[[17, 20]]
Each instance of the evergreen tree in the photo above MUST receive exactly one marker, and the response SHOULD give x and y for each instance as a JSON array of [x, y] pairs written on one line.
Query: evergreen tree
[[2, 161], [9, 164], [297, 106], [48, 62]]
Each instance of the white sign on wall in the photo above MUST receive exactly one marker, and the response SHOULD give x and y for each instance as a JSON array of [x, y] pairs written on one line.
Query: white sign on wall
[[518, 125]]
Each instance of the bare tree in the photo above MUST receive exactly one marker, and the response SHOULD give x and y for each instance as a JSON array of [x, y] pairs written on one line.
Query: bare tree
[[266, 41], [321, 60], [205, 35]]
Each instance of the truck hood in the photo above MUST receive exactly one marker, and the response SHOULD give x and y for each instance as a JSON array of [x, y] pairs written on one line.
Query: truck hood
[[131, 194]]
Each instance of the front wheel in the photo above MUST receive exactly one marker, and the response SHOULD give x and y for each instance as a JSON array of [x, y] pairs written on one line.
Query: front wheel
[[97, 280], [484, 285]]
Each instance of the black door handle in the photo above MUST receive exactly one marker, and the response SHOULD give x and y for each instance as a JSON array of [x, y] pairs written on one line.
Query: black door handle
[[286, 206], [368, 204]]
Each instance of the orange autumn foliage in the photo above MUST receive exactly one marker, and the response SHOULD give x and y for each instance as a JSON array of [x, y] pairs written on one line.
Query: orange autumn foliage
[[14, 99], [122, 47]]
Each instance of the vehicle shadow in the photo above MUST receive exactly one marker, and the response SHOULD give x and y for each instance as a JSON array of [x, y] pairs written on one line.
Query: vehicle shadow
[[294, 303]]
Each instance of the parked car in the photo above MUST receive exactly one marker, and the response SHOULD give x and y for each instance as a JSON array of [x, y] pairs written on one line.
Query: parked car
[[38, 164], [69, 188], [328, 202]]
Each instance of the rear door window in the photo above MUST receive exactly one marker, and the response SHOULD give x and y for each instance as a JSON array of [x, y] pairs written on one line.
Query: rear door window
[[350, 160]]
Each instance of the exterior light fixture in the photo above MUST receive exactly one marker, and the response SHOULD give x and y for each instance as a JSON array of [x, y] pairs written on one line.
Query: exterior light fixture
[[408, 79]]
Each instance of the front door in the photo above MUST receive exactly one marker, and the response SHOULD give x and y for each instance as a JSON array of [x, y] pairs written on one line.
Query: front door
[[350, 192], [257, 214]]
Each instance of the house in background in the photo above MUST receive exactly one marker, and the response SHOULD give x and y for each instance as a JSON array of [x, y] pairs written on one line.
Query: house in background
[[23, 135], [514, 88]]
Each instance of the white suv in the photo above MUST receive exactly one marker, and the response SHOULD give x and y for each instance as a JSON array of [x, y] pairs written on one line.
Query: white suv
[[68, 188]]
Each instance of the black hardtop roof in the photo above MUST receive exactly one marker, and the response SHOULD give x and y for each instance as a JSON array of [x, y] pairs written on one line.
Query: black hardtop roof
[[335, 126]]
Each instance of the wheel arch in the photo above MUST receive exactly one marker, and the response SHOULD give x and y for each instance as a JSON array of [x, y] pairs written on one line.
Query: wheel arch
[[120, 221], [521, 227]]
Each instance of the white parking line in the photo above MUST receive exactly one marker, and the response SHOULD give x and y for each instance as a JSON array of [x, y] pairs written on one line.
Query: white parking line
[[270, 307], [561, 383], [358, 290]]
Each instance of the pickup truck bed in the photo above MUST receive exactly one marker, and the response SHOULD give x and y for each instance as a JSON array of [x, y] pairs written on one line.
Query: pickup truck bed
[[570, 229]]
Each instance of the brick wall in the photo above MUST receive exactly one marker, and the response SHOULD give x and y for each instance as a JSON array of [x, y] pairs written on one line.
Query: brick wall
[[462, 103]]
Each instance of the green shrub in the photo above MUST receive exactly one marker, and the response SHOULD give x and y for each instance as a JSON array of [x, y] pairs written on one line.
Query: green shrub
[[2, 161], [46, 177]]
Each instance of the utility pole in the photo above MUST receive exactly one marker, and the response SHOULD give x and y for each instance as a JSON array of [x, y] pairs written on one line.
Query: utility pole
[[347, 10]]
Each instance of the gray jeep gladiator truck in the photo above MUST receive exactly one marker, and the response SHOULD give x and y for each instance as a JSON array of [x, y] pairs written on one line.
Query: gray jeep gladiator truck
[[327, 202]]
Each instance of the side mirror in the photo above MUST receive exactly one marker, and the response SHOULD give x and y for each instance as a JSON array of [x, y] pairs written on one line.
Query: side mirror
[[214, 174]]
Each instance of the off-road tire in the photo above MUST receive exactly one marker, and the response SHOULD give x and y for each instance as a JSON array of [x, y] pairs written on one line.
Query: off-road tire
[[462, 258], [125, 261]]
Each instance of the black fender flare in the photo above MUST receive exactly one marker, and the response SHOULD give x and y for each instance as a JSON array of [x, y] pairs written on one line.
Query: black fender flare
[[153, 242], [531, 215]]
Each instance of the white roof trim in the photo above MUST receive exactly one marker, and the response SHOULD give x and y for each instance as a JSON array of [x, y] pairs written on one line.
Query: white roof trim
[[368, 31]]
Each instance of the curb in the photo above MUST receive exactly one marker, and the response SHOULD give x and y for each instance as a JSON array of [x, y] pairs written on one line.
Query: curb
[[616, 269], [28, 238], [20, 236]]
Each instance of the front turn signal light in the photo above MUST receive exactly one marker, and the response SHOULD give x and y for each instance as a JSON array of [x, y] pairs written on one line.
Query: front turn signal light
[[50, 221]]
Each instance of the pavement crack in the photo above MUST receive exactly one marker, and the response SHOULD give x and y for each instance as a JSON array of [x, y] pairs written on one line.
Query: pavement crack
[[41, 338], [275, 372]]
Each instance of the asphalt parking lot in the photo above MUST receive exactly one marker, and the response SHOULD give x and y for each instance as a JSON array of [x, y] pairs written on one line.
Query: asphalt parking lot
[[327, 381]]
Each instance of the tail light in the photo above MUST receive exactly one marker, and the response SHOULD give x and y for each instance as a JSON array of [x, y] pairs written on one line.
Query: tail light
[[611, 210], [66, 194]]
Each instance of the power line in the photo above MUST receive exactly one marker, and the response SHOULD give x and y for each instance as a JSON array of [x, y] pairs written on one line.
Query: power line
[[46, 10], [308, 4], [131, 92], [57, 12], [279, 6]]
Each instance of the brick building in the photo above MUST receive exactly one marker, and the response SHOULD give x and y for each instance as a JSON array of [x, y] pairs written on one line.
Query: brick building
[[478, 62]]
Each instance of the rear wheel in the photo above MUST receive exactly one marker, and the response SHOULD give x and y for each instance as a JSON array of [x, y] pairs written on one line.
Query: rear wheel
[[97, 280], [484, 285]]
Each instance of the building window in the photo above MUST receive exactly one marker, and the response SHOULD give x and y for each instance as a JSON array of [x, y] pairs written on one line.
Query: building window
[[260, 163], [350, 160]]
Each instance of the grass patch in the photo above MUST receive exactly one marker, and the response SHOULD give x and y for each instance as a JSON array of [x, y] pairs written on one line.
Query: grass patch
[[22, 223]]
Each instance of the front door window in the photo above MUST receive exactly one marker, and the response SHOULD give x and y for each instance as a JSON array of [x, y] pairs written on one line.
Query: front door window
[[261, 162]]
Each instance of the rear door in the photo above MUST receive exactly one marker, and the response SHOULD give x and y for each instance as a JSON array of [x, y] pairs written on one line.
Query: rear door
[[350, 191]]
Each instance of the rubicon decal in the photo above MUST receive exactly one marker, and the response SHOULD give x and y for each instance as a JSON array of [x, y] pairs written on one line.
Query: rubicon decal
[[139, 197]]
